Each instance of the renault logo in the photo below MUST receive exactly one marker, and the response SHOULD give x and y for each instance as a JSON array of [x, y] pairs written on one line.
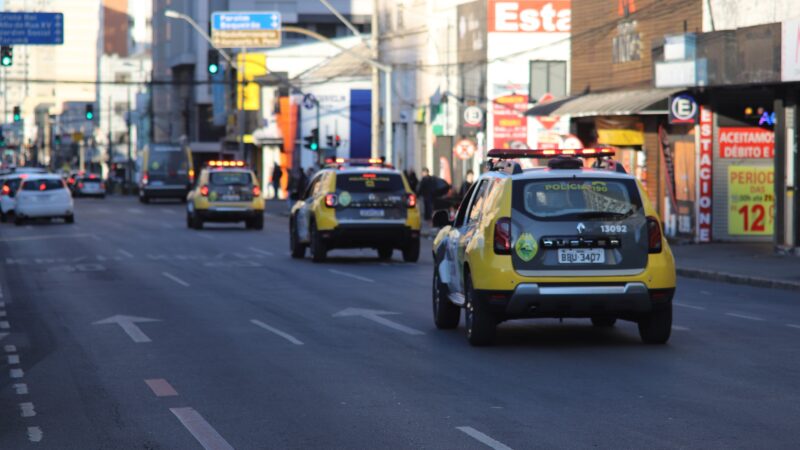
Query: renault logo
[[581, 227]]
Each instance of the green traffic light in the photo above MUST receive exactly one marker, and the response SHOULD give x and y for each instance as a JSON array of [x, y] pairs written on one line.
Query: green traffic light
[[6, 61], [17, 118], [213, 69], [89, 116], [314, 146]]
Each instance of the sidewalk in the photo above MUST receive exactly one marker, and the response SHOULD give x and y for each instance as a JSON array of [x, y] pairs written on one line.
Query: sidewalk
[[739, 263]]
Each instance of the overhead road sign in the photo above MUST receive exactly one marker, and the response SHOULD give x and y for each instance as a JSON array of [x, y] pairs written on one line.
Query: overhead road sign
[[246, 29], [30, 28]]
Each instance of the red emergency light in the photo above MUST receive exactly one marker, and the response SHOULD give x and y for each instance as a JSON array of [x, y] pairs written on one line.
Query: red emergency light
[[501, 153]]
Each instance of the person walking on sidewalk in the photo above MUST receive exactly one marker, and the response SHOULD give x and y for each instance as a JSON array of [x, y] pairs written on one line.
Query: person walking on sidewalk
[[277, 174], [425, 191]]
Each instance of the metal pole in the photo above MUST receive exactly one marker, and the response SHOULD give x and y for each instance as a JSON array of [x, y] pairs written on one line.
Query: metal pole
[[129, 168], [243, 86], [320, 158], [387, 115], [376, 86]]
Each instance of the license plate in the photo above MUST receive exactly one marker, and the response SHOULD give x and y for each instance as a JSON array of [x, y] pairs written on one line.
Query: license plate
[[230, 198], [581, 256], [371, 213]]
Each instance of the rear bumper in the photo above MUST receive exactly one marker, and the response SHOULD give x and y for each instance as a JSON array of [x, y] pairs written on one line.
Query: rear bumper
[[43, 211], [369, 235], [170, 191], [228, 214], [543, 300]]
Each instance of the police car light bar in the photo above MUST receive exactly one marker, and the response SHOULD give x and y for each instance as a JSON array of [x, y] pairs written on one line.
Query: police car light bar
[[226, 164], [358, 162], [501, 153]]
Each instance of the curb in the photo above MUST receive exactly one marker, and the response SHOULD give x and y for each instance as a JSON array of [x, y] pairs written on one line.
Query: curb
[[738, 279]]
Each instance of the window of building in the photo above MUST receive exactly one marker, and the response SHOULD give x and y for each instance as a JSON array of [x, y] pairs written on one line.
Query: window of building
[[548, 77]]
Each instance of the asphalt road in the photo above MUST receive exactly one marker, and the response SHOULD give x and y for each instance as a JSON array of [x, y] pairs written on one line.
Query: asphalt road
[[217, 338]]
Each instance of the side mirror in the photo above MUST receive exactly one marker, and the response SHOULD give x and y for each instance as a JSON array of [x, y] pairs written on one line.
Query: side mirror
[[441, 218]]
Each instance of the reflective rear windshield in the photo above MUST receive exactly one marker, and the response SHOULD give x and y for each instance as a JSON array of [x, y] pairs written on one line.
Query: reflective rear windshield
[[170, 163], [230, 178], [573, 198], [42, 185], [369, 182]]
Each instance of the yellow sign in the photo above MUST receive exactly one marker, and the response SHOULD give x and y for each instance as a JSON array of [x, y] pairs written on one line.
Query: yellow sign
[[77, 136], [252, 65], [620, 138], [751, 200]]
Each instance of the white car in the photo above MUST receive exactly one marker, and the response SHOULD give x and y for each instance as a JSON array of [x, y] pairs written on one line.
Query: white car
[[43, 196], [8, 190], [89, 186]]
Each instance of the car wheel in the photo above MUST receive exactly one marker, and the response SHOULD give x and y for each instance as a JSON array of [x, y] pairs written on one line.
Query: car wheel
[[481, 326], [197, 222], [604, 322], [257, 223], [445, 314], [188, 220], [655, 327], [385, 252], [411, 252], [18, 220], [318, 250], [298, 249], [144, 199], [3, 217], [70, 218]]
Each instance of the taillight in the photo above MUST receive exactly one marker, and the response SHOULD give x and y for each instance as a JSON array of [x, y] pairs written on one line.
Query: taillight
[[502, 236], [6, 190], [331, 200], [654, 236], [411, 200], [80, 185], [145, 178], [204, 191], [256, 191], [191, 175], [71, 181]]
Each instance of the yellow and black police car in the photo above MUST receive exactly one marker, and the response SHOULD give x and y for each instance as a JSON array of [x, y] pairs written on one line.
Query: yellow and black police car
[[558, 241], [356, 204], [226, 191]]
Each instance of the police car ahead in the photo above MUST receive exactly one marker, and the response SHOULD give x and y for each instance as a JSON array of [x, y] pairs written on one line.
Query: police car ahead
[[226, 191], [356, 203], [560, 241]]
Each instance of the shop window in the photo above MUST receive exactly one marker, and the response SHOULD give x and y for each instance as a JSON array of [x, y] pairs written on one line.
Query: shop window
[[548, 77]]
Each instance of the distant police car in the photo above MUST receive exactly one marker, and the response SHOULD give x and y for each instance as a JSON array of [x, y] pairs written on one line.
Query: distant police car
[[560, 241], [356, 204], [226, 191]]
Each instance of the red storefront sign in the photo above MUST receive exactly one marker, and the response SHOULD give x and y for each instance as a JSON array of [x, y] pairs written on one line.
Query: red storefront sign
[[704, 176], [510, 125], [746, 142], [540, 16]]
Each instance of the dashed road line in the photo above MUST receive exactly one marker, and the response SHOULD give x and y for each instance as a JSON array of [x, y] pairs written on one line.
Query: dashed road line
[[125, 253], [175, 279], [679, 328], [167, 211], [791, 325], [135, 210], [46, 237], [13, 359], [161, 387], [20, 388], [280, 333], [353, 276], [261, 252], [2, 313], [35, 434], [27, 409], [167, 226], [706, 293], [205, 434], [483, 439], [16, 373], [684, 305], [10, 348], [4, 325], [205, 236], [744, 316]]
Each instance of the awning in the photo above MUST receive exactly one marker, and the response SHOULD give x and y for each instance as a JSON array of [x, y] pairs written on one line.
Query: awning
[[615, 103]]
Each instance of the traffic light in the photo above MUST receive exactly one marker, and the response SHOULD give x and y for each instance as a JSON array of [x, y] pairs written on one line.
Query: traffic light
[[17, 114], [213, 61], [89, 111], [312, 140], [6, 56], [329, 141], [2, 138], [337, 141]]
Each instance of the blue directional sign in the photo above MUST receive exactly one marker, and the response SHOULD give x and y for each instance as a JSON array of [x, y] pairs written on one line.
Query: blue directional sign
[[231, 29], [31, 28]]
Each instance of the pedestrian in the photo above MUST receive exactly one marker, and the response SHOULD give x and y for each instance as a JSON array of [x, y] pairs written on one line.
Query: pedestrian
[[468, 180], [425, 191], [277, 173], [413, 181]]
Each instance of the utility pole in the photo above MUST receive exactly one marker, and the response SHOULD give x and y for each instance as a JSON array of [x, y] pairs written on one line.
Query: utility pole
[[376, 84], [129, 167], [243, 86]]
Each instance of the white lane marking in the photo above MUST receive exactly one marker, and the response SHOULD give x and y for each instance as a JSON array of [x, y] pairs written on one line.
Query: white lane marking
[[205, 434], [2, 305], [16, 373], [2, 313], [135, 210], [20, 388], [124, 253], [45, 237], [684, 305], [347, 274], [262, 252], [376, 316], [128, 325], [13, 359], [744, 316], [167, 226], [35, 434], [205, 236], [679, 328], [28, 227], [161, 387], [26, 409], [175, 279], [96, 238], [483, 439], [167, 211], [10, 348], [4, 325], [706, 293], [791, 325], [280, 333]]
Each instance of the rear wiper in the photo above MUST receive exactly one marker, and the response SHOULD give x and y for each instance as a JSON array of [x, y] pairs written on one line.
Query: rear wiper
[[603, 215]]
